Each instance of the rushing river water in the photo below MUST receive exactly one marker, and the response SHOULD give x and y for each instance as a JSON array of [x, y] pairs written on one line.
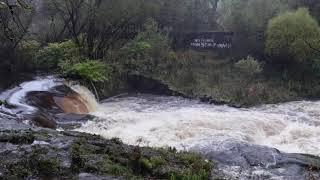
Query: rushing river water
[[241, 141], [172, 121], [152, 120]]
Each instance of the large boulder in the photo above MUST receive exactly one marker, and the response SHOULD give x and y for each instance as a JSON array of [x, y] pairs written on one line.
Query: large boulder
[[60, 99], [238, 160], [49, 154]]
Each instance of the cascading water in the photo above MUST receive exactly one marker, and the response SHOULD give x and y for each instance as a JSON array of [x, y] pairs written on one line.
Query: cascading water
[[16, 96], [85, 94], [171, 121]]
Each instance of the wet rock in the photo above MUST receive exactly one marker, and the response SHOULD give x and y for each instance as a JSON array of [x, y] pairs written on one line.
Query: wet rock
[[72, 121], [10, 121], [145, 84], [45, 120], [244, 161], [88, 176], [51, 154], [65, 121], [60, 107], [72, 104], [60, 99]]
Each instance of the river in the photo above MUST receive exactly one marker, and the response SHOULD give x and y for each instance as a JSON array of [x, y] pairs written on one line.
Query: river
[[182, 123], [159, 121]]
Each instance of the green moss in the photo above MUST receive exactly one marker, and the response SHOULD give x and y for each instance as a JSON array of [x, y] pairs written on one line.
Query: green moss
[[17, 138], [48, 167], [95, 155], [36, 163], [114, 158], [146, 165], [19, 170], [42, 164], [157, 161]]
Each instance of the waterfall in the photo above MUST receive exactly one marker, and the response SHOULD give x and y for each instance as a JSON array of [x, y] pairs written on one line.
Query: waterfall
[[88, 97]]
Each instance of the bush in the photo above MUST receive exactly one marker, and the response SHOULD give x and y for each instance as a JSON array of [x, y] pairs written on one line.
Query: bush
[[89, 70], [249, 66], [246, 18], [144, 53], [27, 50], [290, 35], [50, 56]]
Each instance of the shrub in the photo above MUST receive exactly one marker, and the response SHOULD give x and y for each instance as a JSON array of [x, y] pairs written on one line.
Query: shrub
[[89, 70], [50, 56], [290, 35], [27, 50], [249, 66], [240, 16], [144, 53]]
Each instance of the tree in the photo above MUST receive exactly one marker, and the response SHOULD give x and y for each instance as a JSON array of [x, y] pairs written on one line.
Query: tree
[[293, 35], [15, 19], [147, 51], [248, 19]]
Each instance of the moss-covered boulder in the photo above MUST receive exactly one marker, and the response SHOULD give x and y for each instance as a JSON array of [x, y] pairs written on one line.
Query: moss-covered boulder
[[48, 153]]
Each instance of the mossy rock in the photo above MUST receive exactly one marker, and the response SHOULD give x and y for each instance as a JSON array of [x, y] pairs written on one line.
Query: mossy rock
[[69, 154]]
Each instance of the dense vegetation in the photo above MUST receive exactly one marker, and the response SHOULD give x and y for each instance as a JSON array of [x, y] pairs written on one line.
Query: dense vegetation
[[275, 54]]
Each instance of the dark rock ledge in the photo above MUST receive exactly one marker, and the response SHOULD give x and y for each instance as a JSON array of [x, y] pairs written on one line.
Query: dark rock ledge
[[47, 154]]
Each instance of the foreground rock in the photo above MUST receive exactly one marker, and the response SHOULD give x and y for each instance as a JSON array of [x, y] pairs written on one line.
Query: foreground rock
[[42, 153], [238, 160]]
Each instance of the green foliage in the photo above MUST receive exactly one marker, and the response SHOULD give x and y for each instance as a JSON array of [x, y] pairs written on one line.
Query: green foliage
[[291, 34], [247, 19], [26, 51], [50, 56], [29, 48], [89, 70], [249, 66], [239, 15], [149, 49]]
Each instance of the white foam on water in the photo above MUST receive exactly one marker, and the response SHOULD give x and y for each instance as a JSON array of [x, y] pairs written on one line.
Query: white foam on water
[[170, 121], [17, 95], [85, 94]]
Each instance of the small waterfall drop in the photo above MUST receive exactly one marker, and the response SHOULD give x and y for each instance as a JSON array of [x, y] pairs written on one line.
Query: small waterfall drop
[[17, 97], [88, 97]]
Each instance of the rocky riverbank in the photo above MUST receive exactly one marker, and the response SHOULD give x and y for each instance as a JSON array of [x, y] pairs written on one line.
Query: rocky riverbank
[[43, 153]]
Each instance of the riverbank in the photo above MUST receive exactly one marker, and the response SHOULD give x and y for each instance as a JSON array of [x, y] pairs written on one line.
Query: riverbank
[[43, 153], [217, 80]]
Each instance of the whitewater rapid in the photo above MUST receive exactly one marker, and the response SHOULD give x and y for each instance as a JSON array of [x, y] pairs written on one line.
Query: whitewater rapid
[[150, 120]]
